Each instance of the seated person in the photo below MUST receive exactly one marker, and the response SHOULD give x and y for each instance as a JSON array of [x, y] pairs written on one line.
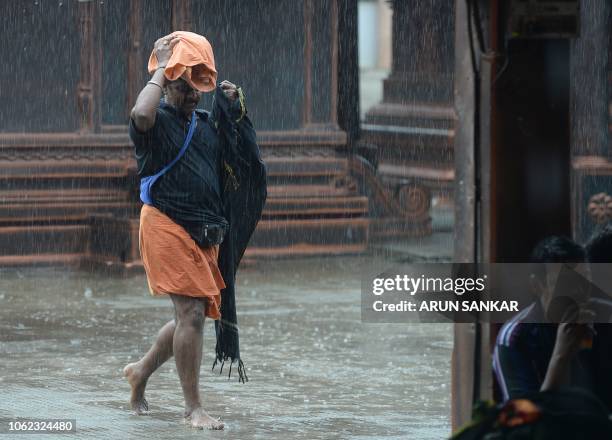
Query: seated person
[[599, 251], [532, 353]]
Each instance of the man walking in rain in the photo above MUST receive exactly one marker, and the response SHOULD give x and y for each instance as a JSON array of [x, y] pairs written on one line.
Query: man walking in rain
[[203, 186]]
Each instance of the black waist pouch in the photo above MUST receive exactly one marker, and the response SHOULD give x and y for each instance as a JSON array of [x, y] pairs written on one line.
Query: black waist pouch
[[206, 235]]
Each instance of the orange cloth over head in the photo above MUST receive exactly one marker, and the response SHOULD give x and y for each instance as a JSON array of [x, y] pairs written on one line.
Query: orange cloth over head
[[192, 59]]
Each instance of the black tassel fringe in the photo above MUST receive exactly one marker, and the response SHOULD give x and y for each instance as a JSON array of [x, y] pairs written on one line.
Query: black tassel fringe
[[242, 376]]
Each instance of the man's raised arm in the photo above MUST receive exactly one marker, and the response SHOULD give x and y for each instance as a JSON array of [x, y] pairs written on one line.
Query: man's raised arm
[[145, 109]]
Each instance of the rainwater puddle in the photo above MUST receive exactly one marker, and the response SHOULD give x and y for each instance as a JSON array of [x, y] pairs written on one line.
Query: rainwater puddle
[[316, 372]]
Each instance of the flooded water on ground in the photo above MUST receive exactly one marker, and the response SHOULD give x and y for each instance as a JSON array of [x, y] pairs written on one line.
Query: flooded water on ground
[[316, 371]]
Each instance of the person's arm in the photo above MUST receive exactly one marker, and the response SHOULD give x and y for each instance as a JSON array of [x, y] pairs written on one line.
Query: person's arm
[[145, 109], [570, 337], [234, 110]]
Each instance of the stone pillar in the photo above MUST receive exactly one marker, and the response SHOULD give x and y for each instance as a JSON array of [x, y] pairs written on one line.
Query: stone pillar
[[419, 89], [412, 128], [422, 64], [385, 32]]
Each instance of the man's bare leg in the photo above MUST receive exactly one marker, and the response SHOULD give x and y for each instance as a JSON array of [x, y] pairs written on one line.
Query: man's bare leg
[[138, 373], [187, 348]]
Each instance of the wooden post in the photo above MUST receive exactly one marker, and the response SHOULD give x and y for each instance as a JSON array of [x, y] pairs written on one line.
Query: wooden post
[[181, 15], [89, 87], [316, 13], [333, 107], [307, 110], [135, 58], [462, 376], [348, 72]]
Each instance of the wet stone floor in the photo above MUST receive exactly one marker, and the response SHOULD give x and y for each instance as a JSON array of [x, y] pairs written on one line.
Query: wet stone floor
[[316, 371]]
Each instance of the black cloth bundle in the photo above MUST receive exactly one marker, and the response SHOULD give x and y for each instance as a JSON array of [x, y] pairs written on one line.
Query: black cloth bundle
[[244, 193]]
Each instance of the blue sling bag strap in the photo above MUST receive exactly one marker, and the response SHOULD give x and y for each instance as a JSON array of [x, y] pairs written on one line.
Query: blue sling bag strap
[[146, 183]]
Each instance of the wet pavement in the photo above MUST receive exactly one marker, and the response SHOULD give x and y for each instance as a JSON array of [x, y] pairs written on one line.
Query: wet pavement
[[316, 372]]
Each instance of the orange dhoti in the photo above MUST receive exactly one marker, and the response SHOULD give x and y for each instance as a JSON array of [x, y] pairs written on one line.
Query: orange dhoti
[[175, 264]]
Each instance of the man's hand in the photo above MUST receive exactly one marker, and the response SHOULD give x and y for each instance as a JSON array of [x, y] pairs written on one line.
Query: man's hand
[[574, 332], [571, 338], [145, 108], [163, 49], [230, 90]]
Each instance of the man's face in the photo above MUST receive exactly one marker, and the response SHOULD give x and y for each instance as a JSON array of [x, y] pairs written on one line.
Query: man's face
[[182, 96]]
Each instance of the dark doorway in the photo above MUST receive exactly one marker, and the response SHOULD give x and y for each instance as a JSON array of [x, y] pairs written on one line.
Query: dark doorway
[[532, 166]]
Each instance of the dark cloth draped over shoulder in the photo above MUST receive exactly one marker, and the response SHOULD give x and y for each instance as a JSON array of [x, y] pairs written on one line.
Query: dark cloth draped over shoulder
[[244, 193]]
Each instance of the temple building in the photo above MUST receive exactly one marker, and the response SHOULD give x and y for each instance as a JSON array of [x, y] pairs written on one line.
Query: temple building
[[69, 186], [501, 110]]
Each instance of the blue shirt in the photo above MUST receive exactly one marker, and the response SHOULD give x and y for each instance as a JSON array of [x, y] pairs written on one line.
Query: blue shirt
[[523, 350]]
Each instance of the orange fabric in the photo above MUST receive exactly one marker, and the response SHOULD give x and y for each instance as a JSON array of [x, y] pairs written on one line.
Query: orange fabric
[[192, 59], [174, 263], [519, 412]]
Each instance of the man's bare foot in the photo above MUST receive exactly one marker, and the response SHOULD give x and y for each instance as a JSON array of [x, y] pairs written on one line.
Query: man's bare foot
[[200, 419], [133, 373]]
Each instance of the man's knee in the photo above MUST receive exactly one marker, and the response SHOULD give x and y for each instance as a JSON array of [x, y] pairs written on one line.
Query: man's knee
[[189, 311]]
